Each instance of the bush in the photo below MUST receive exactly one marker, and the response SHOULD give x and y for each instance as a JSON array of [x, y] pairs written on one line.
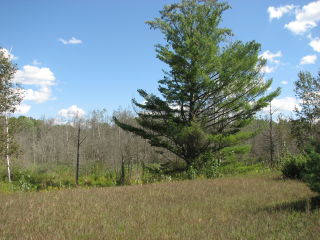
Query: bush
[[212, 169], [191, 173], [293, 166]]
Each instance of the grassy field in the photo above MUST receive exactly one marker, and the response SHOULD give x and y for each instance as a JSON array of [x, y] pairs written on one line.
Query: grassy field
[[248, 207]]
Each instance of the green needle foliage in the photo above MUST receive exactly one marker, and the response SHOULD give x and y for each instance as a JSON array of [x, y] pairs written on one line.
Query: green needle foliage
[[213, 88]]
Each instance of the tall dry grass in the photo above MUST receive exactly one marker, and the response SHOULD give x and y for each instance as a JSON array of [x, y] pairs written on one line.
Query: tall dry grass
[[250, 207]]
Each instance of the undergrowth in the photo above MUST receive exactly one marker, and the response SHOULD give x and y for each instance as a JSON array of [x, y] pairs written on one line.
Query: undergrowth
[[46, 177]]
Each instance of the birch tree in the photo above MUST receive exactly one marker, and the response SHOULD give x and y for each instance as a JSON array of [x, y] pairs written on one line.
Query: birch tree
[[10, 97]]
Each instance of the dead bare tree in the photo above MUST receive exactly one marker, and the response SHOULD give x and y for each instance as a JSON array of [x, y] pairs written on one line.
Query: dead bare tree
[[79, 142]]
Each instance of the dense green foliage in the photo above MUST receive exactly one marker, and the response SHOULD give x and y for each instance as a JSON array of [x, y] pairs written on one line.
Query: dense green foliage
[[306, 126], [44, 177], [293, 166], [212, 89], [312, 172]]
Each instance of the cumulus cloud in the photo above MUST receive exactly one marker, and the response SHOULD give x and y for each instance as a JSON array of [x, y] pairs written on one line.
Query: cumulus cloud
[[285, 104], [300, 27], [307, 18], [22, 109], [33, 75], [72, 40], [284, 82], [315, 44], [267, 69], [38, 96], [309, 59], [42, 78], [72, 112], [278, 12], [271, 56]]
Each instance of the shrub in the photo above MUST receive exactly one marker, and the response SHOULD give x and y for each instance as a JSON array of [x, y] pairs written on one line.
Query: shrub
[[312, 171], [293, 166], [191, 172], [212, 169]]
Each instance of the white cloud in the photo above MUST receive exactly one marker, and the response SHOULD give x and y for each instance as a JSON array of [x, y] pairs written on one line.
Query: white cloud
[[22, 109], [315, 44], [72, 112], [309, 59], [60, 121], [38, 96], [271, 56], [285, 104], [267, 69], [306, 18], [72, 40], [278, 12], [7, 54], [284, 82], [300, 27], [33, 75], [42, 78]]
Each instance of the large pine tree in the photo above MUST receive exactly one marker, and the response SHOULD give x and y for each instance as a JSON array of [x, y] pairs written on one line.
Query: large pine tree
[[213, 88]]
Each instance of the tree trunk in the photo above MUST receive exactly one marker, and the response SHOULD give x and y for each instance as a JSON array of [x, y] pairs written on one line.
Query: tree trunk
[[122, 177], [7, 146], [78, 156], [271, 137]]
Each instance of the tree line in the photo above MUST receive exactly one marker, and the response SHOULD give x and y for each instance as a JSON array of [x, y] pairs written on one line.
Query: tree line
[[44, 142]]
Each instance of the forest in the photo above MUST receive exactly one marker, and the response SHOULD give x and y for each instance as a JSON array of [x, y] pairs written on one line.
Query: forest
[[210, 137], [42, 147]]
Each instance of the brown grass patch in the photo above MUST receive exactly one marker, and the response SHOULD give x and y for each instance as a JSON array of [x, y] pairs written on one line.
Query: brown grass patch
[[250, 207]]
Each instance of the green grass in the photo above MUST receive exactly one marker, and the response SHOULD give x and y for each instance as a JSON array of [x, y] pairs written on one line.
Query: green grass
[[243, 207]]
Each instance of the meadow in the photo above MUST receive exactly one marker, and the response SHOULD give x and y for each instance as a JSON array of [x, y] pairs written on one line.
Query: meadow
[[254, 206]]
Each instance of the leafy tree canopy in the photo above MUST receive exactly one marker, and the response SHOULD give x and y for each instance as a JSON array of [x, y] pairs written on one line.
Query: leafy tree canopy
[[307, 89], [10, 94], [213, 88]]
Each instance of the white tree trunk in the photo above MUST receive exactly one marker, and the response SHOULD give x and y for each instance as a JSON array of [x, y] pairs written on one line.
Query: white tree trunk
[[7, 146]]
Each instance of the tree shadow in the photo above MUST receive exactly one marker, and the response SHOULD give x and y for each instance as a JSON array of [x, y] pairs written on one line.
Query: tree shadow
[[303, 205]]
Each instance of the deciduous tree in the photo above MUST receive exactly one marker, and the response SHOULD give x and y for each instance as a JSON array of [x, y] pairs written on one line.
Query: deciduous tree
[[10, 97], [307, 89]]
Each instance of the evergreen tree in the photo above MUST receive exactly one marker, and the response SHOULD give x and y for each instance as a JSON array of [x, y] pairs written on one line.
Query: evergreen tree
[[212, 89]]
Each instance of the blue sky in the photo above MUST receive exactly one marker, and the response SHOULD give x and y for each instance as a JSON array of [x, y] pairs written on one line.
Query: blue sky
[[81, 55]]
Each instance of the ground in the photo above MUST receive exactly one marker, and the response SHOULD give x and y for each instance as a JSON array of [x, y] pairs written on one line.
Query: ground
[[244, 207]]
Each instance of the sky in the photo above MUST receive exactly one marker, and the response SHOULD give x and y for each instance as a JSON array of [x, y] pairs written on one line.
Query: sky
[[76, 56]]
